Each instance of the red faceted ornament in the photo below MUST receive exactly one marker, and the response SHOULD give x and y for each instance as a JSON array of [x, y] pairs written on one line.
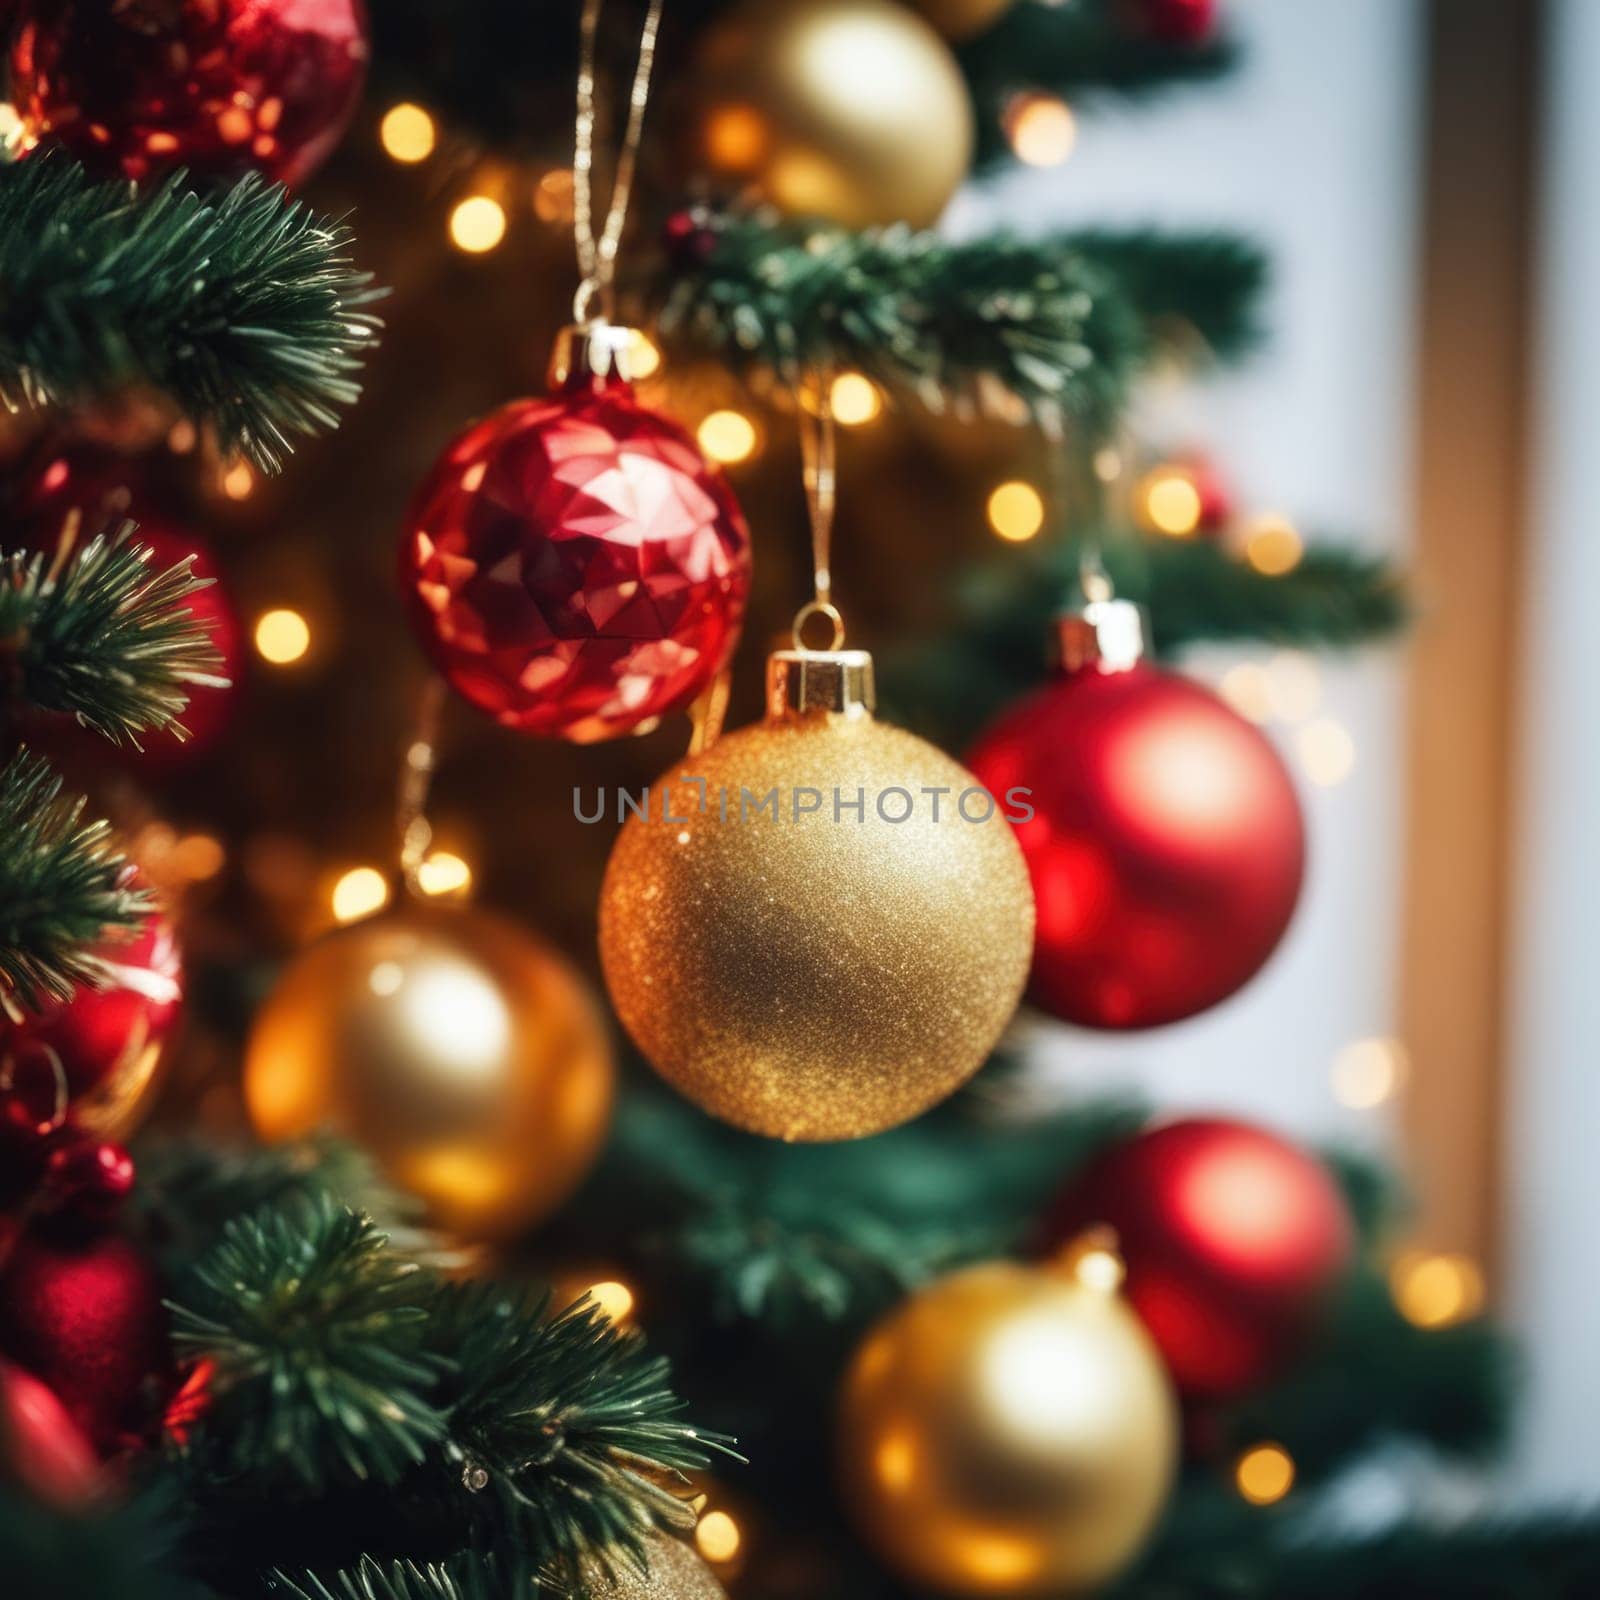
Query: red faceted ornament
[[84, 1315], [41, 1447], [219, 87], [1232, 1238], [1166, 844], [108, 1041], [573, 565]]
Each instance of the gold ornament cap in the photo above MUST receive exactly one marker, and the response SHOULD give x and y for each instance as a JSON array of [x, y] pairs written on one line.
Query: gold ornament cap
[[1104, 633], [837, 681], [593, 352]]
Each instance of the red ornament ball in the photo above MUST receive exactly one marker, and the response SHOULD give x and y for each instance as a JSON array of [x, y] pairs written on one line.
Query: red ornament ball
[[109, 1040], [1232, 1238], [1175, 21], [574, 566], [1166, 844], [84, 1315], [219, 87], [41, 1447]]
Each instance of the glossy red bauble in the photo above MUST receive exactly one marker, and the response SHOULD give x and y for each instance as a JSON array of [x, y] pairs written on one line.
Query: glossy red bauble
[[1232, 1238], [218, 87], [1166, 846], [41, 1447], [574, 566], [85, 1317]]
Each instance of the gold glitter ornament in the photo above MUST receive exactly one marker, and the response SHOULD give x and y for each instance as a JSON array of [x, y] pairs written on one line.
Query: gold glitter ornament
[[465, 1054], [675, 1573], [1008, 1430], [806, 935]]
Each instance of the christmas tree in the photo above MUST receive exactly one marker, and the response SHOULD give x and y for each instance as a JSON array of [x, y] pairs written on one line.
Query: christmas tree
[[429, 1279]]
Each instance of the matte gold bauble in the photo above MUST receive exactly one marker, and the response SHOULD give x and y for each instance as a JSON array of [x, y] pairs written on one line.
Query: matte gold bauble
[[806, 935], [962, 19], [466, 1055], [675, 1573], [851, 110], [1008, 1430]]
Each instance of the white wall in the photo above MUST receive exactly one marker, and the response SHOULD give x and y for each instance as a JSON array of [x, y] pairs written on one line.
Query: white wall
[[1554, 1048], [1313, 150]]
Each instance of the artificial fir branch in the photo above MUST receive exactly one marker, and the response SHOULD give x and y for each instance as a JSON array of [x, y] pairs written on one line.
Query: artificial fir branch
[[62, 885], [463, 1577], [109, 638], [993, 325], [244, 309], [127, 1547]]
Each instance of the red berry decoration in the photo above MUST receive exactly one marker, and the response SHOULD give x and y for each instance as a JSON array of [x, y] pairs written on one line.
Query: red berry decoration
[[573, 565], [88, 1178], [219, 87], [84, 1315], [1232, 1239], [1166, 844], [41, 1447]]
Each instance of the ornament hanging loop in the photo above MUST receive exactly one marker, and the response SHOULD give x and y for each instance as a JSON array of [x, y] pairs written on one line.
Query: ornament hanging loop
[[810, 610], [412, 826]]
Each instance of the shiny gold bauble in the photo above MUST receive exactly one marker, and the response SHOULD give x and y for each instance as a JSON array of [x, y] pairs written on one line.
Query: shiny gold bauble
[[467, 1056], [850, 110], [962, 19], [800, 969], [675, 1573], [1008, 1430]]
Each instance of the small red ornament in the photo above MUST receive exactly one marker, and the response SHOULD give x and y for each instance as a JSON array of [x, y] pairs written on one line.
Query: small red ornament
[[1232, 1238], [573, 565], [88, 1177], [84, 1315], [219, 87], [108, 1041], [1175, 21], [41, 1447], [1216, 502], [1166, 844]]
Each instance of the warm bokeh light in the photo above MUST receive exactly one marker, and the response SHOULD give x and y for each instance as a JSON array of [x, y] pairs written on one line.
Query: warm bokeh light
[[407, 133], [728, 437], [735, 138], [644, 356], [613, 1298], [443, 872], [854, 399], [197, 856], [1436, 1291], [1295, 685], [1273, 546], [717, 1536], [182, 437], [1264, 1474], [1041, 128], [282, 636], [1099, 1268], [1369, 1071], [358, 893], [1327, 752], [1016, 511], [1169, 502], [239, 481], [477, 224], [1247, 687], [552, 196], [1108, 463]]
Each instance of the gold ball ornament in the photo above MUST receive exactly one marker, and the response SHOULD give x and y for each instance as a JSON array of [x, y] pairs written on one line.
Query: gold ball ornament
[[962, 19], [466, 1055], [850, 110], [675, 1573], [1008, 1430], [813, 953]]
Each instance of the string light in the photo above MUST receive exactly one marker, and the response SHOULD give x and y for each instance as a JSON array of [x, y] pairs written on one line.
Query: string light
[[1264, 1474], [282, 636], [1327, 752], [1041, 128], [477, 224], [239, 481], [407, 133], [728, 437], [717, 1537], [444, 873], [1169, 502], [358, 893], [1016, 511], [1436, 1291], [854, 399], [1273, 546], [1369, 1071], [1247, 687], [614, 1299]]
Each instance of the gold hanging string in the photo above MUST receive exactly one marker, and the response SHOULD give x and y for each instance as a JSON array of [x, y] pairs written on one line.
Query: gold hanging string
[[818, 453], [597, 258], [416, 782]]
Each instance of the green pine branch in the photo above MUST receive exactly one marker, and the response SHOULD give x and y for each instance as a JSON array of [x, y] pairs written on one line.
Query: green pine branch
[[109, 638], [463, 1577], [245, 309], [62, 885]]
